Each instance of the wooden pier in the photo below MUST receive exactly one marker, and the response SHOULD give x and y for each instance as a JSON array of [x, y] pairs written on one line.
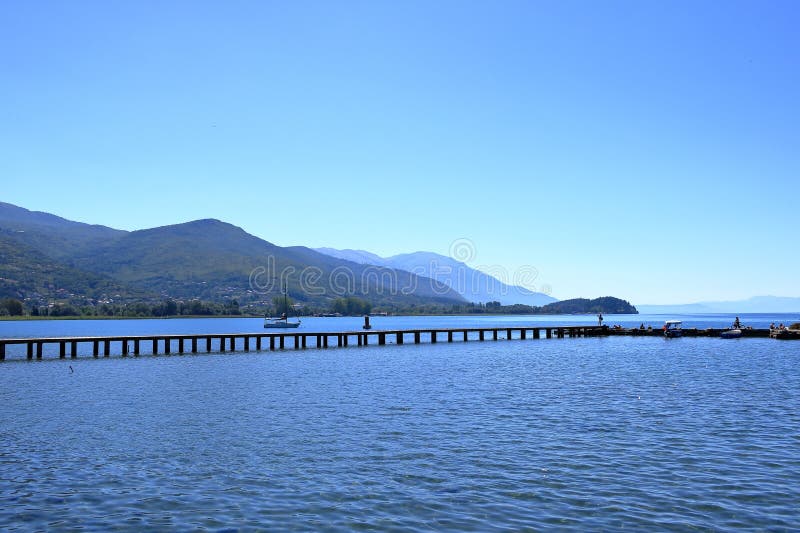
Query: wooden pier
[[125, 346], [74, 347]]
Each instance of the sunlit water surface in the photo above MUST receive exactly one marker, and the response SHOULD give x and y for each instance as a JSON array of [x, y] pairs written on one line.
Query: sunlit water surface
[[590, 434]]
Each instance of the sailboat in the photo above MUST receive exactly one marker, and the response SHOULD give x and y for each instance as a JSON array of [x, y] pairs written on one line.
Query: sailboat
[[283, 320]]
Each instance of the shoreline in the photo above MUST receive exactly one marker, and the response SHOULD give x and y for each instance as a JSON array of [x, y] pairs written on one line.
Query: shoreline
[[28, 318]]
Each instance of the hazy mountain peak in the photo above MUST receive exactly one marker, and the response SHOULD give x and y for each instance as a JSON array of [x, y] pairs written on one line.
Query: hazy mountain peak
[[473, 285], [361, 257], [754, 304]]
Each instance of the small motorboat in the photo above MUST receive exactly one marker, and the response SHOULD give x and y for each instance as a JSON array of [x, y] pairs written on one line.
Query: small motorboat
[[672, 329], [731, 334]]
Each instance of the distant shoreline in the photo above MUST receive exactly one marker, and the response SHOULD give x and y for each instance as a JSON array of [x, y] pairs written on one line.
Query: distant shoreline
[[302, 317], [171, 317]]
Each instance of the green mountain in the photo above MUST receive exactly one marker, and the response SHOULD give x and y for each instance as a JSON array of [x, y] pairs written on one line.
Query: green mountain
[[56, 236], [26, 273], [578, 306], [204, 259]]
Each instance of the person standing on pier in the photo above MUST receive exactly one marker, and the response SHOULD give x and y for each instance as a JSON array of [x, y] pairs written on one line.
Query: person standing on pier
[[600, 319]]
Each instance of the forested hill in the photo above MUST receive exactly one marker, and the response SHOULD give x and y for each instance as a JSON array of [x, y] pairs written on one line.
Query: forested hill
[[49, 259], [606, 305]]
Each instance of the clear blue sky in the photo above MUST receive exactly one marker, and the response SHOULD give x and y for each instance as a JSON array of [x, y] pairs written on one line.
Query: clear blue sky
[[648, 150]]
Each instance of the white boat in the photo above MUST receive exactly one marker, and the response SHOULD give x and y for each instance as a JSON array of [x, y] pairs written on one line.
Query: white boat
[[672, 328], [282, 322], [734, 333]]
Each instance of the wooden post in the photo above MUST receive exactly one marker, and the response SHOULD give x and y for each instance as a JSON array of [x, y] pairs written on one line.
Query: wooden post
[[465, 335], [398, 337], [62, 350], [449, 336], [296, 341], [136, 350], [536, 333], [155, 346], [282, 340], [167, 342], [305, 340], [95, 348], [106, 348], [222, 344], [433, 337], [508, 334], [523, 334], [346, 339], [194, 344], [366, 339], [258, 343], [480, 335], [381, 339], [416, 337], [73, 349], [30, 350], [360, 340], [246, 343], [233, 343], [2, 351], [39, 349], [272, 343], [124, 347], [494, 334], [208, 344], [319, 341], [548, 333], [324, 341], [180, 345]]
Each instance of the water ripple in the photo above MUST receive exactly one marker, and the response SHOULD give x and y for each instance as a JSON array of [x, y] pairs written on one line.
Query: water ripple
[[584, 434]]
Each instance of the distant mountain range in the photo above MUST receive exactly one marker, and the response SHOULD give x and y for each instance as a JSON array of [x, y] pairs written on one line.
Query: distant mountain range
[[45, 258], [473, 285], [756, 304]]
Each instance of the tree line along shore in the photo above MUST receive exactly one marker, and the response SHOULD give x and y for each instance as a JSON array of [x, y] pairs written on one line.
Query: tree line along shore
[[346, 306]]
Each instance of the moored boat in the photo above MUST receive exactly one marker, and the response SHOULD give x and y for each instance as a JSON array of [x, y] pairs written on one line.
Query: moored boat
[[731, 333], [672, 329], [784, 334], [282, 322]]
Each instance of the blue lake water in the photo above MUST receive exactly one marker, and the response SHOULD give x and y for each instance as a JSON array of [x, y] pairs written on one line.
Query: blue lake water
[[55, 328], [585, 433]]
